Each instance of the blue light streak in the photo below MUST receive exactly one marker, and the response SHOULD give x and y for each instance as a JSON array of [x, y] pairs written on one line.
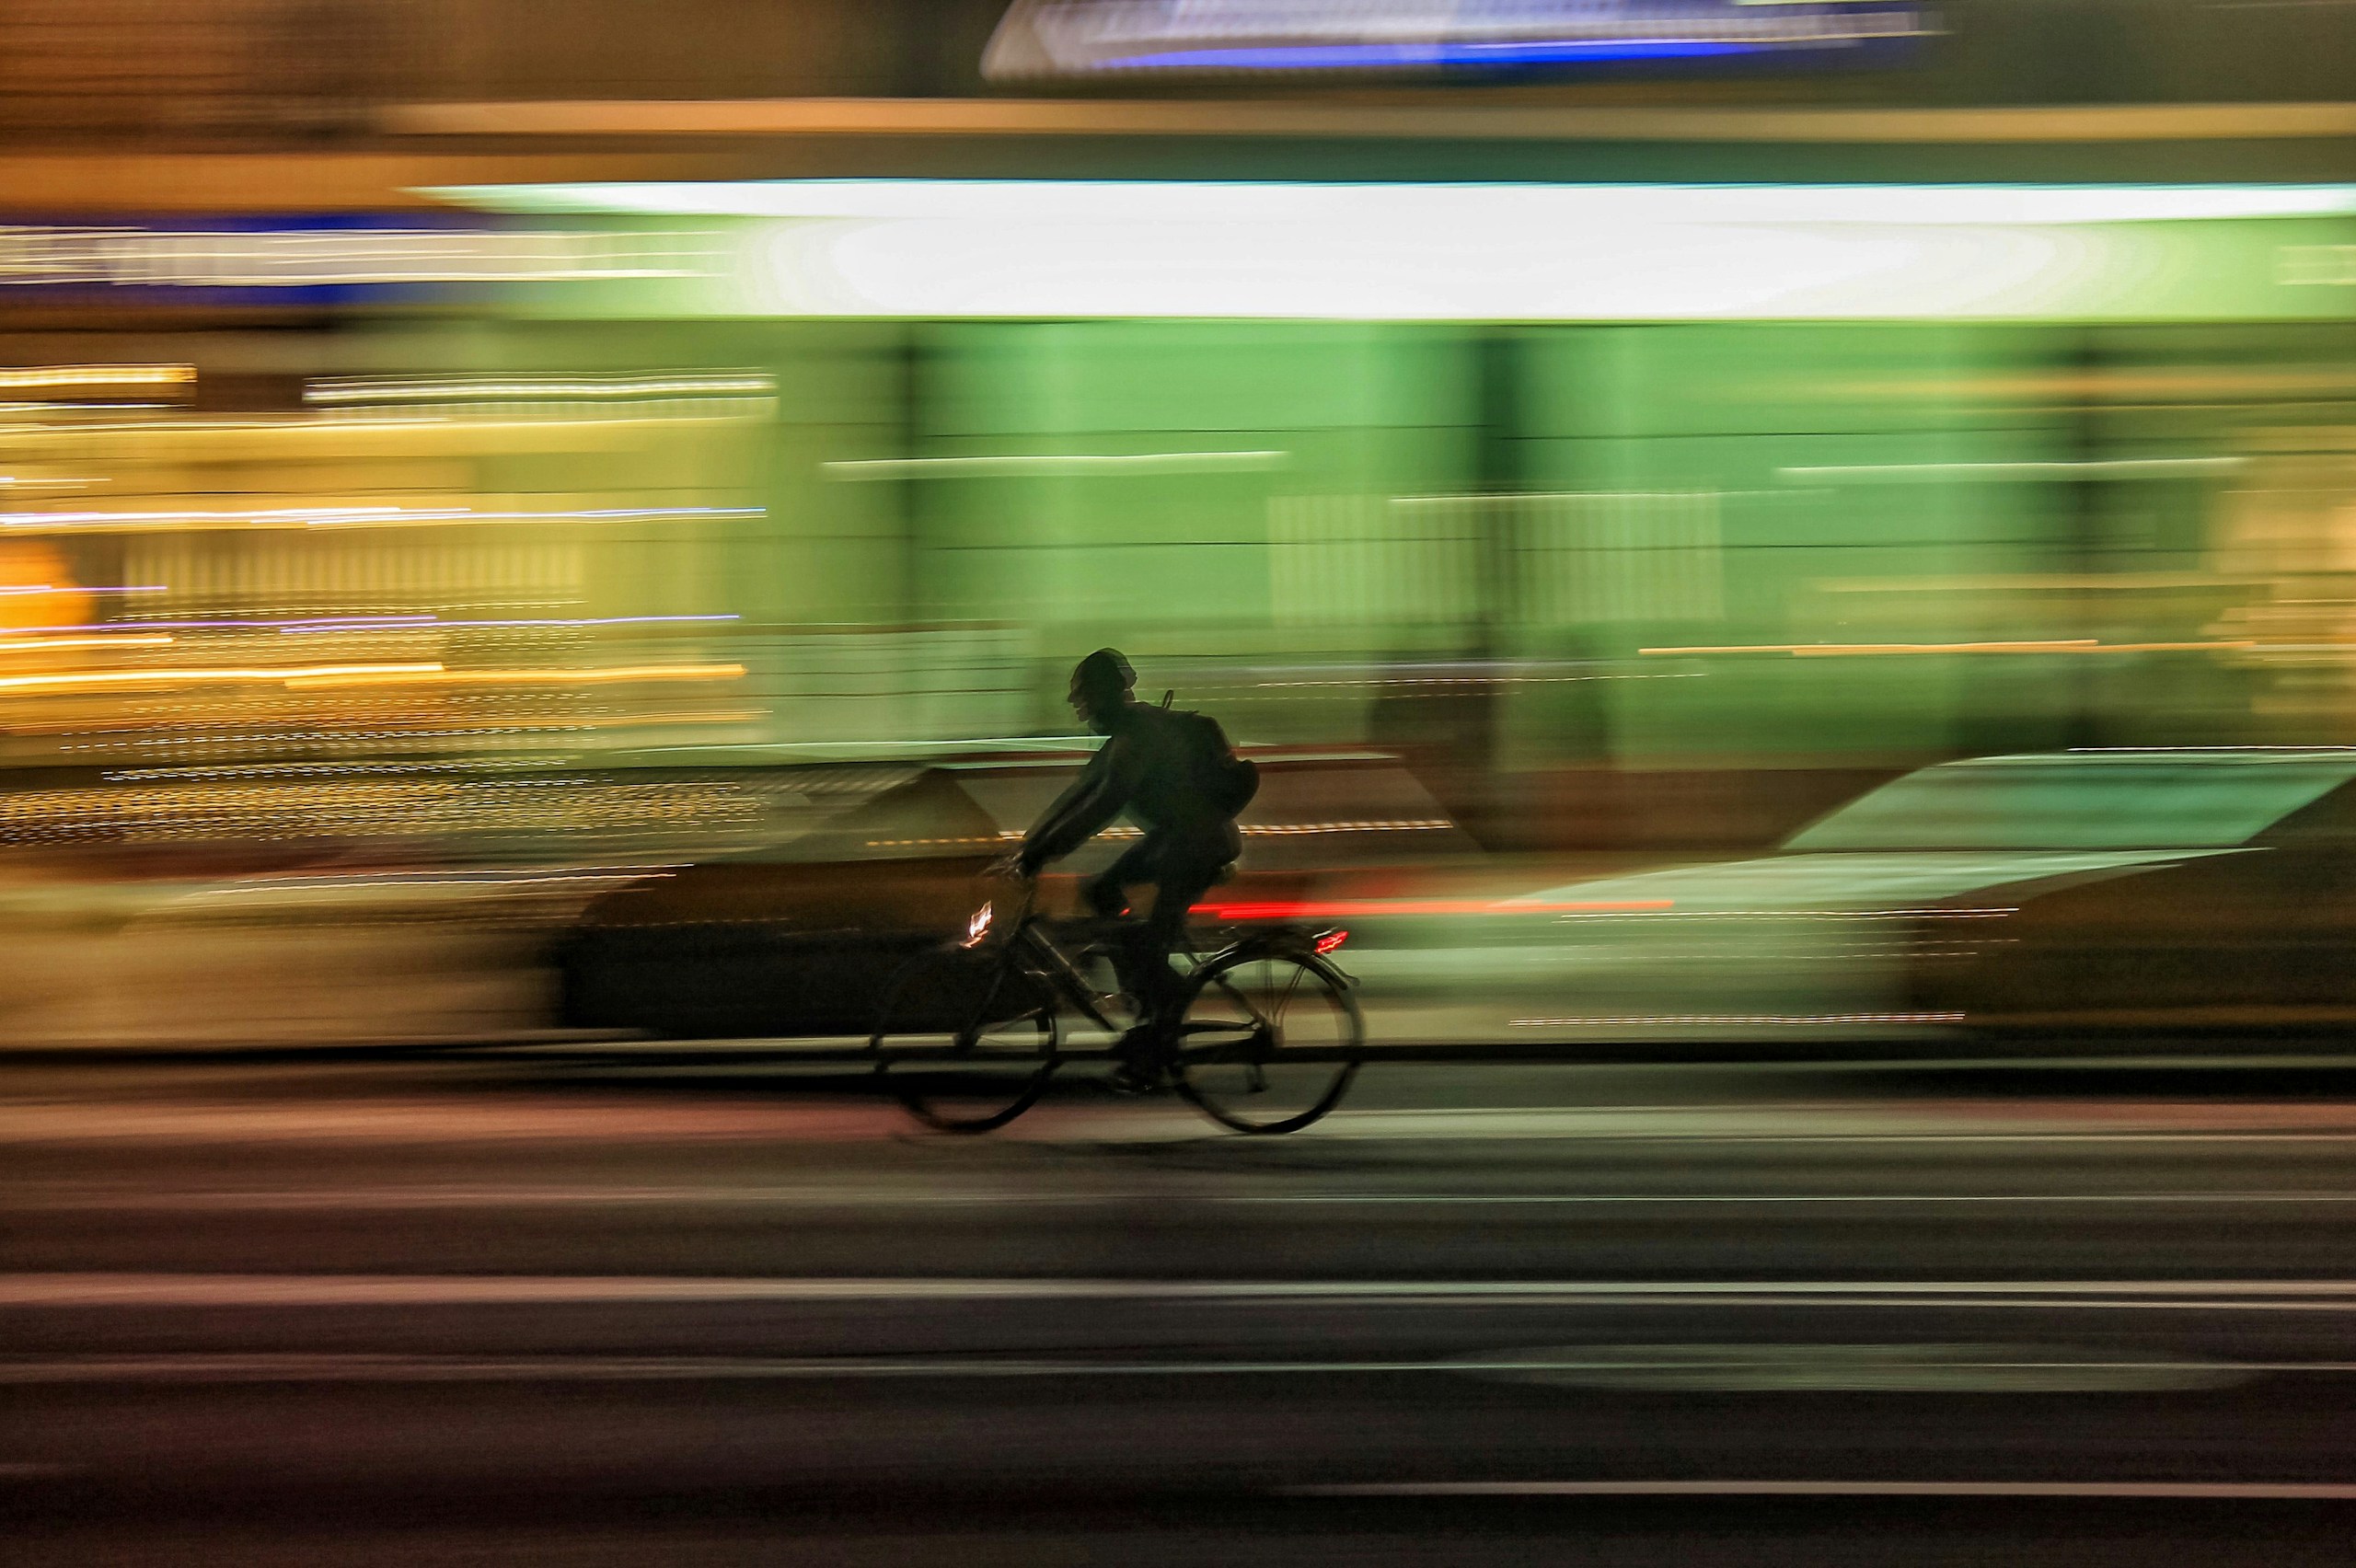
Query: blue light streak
[[1376, 56]]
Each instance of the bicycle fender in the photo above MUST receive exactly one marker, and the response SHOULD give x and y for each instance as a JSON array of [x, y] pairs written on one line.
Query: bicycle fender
[[1291, 946]]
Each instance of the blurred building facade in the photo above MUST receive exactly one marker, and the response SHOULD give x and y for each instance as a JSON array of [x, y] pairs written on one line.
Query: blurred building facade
[[337, 507], [161, 72]]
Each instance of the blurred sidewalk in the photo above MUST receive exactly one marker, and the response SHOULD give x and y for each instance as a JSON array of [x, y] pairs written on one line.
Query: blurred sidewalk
[[281, 961], [434, 956]]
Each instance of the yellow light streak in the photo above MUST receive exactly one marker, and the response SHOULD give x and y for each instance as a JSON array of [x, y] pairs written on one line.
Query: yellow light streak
[[1870, 649], [1849, 650], [356, 516], [435, 674], [131, 679], [98, 375], [42, 644]]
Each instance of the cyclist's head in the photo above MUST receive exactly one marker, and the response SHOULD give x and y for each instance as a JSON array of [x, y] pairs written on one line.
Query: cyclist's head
[[1100, 686]]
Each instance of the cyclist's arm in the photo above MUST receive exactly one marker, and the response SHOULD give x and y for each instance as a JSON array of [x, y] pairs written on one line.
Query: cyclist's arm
[[1094, 799]]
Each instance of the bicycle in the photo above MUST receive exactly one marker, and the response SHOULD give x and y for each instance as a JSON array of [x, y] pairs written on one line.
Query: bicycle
[[1268, 1041]]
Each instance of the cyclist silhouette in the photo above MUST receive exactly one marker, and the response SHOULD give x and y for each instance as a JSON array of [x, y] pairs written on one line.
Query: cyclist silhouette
[[1174, 774]]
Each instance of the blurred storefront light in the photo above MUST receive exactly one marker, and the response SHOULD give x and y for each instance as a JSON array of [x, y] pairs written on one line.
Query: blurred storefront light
[[347, 517], [1199, 200], [47, 644], [291, 676], [322, 259], [1948, 473], [337, 390], [1056, 464], [1474, 252], [94, 377], [435, 674], [1079, 39]]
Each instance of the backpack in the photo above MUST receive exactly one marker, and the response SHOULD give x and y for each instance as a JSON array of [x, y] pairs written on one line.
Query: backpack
[[1227, 781]]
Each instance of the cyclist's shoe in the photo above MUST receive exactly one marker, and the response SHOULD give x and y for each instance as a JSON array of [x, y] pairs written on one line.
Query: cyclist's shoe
[[1140, 1069], [1127, 1078]]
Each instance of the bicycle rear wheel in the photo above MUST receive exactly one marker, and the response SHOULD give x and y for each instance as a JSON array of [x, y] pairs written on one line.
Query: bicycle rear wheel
[[965, 1041], [1270, 1042]]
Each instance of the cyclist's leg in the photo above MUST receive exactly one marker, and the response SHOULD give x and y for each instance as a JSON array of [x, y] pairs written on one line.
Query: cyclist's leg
[[1108, 891], [1179, 873], [1184, 878], [1108, 895]]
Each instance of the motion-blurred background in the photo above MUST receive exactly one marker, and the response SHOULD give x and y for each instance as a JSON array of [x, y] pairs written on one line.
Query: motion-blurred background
[[483, 434], [1789, 567]]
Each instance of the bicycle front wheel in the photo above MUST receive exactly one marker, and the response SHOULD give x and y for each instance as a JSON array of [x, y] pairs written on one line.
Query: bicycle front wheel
[[1269, 1043], [964, 1041]]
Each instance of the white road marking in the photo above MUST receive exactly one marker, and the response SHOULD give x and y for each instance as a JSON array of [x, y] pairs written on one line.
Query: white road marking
[[361, 1367], [176, 1290], [457, 1120], [1757, 1199], [2014, 1138], [81, 1199], [2242, 1491]]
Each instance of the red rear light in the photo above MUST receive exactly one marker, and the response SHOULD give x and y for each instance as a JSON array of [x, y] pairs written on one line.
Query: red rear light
[[1328, 941]]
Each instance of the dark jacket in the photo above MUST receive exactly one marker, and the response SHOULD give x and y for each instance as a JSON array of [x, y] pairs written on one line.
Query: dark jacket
[[1150, 767]]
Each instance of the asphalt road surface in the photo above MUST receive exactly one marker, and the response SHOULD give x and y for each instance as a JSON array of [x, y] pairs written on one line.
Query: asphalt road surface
[[616, 1306]]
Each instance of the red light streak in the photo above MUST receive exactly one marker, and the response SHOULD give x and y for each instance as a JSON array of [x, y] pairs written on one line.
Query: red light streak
[[1363, 908]]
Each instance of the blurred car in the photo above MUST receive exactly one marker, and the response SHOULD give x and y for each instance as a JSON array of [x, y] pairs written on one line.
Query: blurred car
[[2184, 890], [799, 940]]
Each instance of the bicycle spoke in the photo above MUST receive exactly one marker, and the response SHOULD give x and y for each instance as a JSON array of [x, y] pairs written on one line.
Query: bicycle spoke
[[1269, 1043], [960, 1044]]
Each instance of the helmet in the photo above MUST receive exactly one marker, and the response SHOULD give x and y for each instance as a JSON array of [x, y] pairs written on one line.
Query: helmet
[[1105, 676]]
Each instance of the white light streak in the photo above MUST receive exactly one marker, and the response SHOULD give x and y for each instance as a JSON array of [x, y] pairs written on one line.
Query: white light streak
[[1932, 473], [94, 1290], [1023, 464], [1484, 205], [33, 255], [510, 388], [1733, 1021], [986, 249]]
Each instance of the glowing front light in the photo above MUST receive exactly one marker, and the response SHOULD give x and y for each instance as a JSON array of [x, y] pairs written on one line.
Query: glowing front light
[[978, 926]]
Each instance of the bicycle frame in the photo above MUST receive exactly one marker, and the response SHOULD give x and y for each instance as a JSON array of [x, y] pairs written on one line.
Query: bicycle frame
[[1028, 940], [966, 1085]]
